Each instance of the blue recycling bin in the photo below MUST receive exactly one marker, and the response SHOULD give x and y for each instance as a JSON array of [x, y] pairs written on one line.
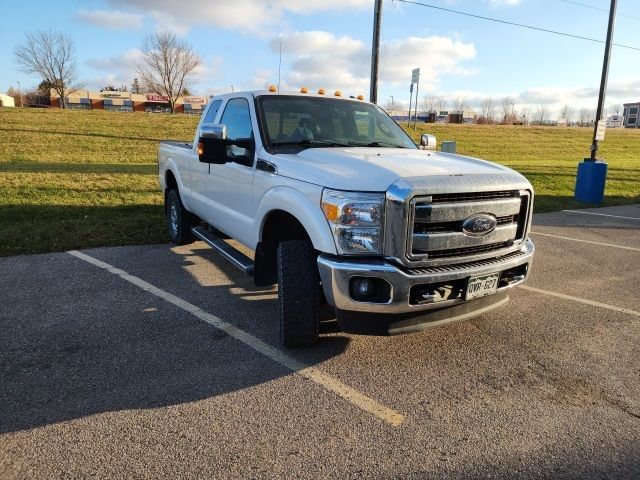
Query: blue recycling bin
[[590, 181]]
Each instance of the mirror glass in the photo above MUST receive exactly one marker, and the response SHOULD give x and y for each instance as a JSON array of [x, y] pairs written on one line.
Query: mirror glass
[[428, 141]]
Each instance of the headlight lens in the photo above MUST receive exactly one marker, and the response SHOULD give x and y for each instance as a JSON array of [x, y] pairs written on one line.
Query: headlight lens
[[356, 220]]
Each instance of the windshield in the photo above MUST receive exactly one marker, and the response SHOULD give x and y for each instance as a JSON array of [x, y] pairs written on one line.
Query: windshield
[[314, 122]]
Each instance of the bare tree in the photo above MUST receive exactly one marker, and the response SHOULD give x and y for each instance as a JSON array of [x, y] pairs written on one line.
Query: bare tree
[[168, 65], [488, 111], [441, 104], [459, 104], [541, 115], [615, 109], [507, 109], [525, 116], [566, 113], [586, 117], [16, 95], [433, 103], [51, 55]]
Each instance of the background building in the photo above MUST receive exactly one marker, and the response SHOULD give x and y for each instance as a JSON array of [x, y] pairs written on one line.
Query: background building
[[631, 115], [6, 101], [129, 102]]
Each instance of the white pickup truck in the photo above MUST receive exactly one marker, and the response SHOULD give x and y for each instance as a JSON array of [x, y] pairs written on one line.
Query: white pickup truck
[[342, 208]]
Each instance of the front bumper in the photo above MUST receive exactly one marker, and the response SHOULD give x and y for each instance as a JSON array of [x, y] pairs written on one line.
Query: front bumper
[[336, 275]]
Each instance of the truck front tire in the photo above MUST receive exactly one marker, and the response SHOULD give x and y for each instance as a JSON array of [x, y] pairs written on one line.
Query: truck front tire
[[298, 293], [179, 219]]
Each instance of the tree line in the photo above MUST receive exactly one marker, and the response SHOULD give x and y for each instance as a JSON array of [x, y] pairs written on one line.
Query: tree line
[[504, 111], [168, 67]]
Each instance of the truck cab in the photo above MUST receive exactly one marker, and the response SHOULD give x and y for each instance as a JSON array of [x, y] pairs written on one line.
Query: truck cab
[[342, 209]]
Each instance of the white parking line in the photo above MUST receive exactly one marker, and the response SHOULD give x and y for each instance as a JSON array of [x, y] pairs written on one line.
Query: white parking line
[[587, 241], [601, 214], [349, 394], [581, 300]]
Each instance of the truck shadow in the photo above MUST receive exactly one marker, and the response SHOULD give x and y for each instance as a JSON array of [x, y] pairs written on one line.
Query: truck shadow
[[79, 341]]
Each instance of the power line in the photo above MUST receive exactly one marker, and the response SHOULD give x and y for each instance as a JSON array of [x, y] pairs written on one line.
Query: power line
[[593, 7], [522, 25]]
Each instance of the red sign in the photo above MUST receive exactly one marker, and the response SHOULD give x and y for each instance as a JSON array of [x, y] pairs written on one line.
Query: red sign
[[154, 97]]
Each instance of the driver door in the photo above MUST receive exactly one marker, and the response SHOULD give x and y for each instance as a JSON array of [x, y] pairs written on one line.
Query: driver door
[[230, 191], [199, 172]]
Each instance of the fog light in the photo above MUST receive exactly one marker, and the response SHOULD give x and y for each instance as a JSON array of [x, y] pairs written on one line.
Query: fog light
[[370, 290], [364, 287]]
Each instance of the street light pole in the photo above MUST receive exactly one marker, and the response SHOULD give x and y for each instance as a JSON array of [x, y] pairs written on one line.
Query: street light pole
[[20, 92], [375, 51], [592, 174], [604, 79]]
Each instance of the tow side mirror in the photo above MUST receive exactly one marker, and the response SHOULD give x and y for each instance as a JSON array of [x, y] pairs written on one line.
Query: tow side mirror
[[213, 130], [427, 142], [212, 144]]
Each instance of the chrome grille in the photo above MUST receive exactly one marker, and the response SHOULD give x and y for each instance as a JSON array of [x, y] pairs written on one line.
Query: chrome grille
[[435, 224]]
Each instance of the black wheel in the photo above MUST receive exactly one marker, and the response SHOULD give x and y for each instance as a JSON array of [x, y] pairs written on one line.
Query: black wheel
[[179, 220], [298, 293]]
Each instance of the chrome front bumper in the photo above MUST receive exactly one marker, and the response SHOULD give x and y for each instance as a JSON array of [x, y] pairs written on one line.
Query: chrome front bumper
[[336, 274]]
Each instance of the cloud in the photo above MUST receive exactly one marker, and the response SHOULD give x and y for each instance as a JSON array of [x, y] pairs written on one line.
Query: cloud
[[117, 70], [552, 98], [110, 19], [321, 59], [121, 70], [509, 3], [244, 15]]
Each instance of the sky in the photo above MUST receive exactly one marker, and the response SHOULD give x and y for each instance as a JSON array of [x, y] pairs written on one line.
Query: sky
[[327, 43]]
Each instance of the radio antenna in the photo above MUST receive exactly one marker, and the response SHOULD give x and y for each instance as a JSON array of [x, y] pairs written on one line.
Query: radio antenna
[[281, 122], [279, 66]]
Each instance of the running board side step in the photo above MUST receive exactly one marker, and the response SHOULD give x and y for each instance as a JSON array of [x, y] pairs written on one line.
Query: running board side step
[[235, 256]]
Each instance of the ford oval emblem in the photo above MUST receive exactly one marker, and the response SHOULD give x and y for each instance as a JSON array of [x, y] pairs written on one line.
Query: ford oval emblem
[[479, 224]]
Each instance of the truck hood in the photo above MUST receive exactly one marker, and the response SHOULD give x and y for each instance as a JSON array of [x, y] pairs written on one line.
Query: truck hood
[[375, 169]]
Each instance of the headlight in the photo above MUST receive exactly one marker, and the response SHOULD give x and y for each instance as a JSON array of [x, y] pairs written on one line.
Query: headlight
[[356, 220]]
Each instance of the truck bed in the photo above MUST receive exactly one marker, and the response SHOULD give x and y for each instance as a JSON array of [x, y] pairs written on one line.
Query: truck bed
[[175, 143]]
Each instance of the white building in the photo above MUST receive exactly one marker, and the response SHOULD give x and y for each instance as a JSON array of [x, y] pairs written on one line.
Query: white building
[[6, 101], [631, 115]]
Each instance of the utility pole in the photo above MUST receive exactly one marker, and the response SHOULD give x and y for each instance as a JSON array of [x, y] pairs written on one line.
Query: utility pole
[[605, 78], [375, 51], [592, 174]]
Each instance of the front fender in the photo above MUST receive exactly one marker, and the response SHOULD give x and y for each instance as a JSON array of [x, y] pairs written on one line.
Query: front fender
[[305, 207]]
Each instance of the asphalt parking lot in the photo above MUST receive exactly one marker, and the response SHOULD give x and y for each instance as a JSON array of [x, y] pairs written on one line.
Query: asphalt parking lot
[[160, 362]]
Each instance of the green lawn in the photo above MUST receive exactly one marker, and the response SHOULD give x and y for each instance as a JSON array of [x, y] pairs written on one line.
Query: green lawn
[[78, 179]]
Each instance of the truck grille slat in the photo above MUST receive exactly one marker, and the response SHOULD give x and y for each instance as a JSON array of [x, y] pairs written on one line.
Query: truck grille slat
[[435, 230], [464, 266], [475, 196], [447, 227]]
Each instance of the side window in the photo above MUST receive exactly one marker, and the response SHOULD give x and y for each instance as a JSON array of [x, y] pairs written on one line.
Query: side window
[[237, 118], [212, 112]]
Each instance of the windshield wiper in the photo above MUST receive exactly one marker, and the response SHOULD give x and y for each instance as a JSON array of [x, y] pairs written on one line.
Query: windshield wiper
[[310, 143], [375, 144]]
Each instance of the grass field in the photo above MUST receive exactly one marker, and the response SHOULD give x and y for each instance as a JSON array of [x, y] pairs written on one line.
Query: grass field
[[78, 179]]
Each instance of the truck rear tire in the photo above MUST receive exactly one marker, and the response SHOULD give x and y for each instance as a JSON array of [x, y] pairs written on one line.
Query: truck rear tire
[[179, 219], [298, 293]]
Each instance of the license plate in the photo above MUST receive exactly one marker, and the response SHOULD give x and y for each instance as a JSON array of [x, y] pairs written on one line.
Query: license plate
[[481, 286]]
